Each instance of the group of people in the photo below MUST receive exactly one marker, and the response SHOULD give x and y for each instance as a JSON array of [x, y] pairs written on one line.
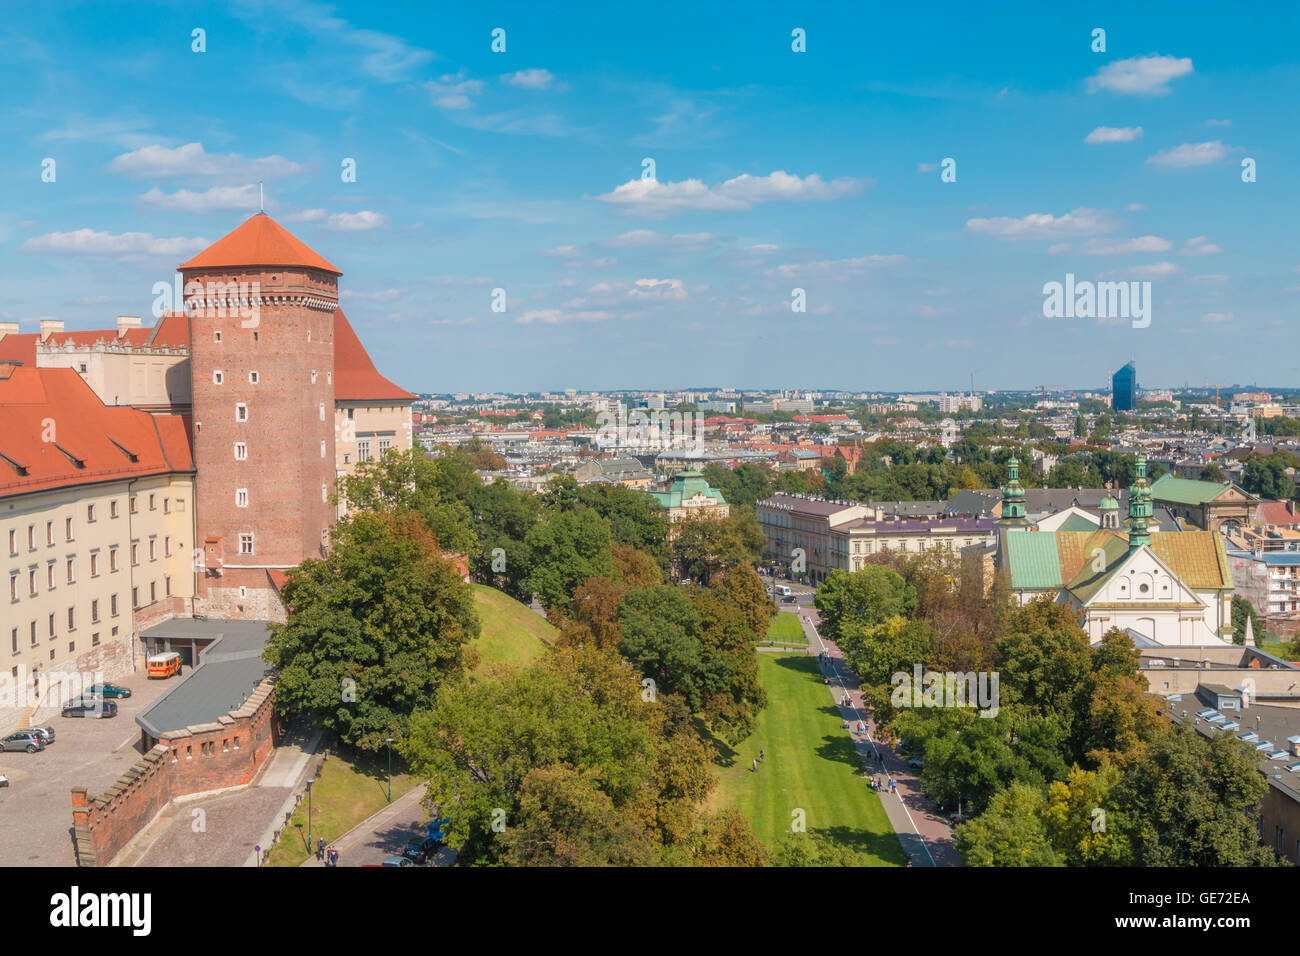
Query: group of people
[[330, 857], [878, 784], [757, 760]]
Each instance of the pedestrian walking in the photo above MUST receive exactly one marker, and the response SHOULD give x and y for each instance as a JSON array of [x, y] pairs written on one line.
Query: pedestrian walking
[[754, 767], [761, 756]]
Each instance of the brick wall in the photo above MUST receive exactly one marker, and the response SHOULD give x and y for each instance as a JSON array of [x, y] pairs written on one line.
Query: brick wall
[[228, 752]]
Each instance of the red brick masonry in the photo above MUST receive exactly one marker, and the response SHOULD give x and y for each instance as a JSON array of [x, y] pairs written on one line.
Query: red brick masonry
[[202, 757]]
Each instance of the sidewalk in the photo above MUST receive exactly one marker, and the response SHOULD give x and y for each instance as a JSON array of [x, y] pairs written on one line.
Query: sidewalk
[[384, 833], [925, 835]]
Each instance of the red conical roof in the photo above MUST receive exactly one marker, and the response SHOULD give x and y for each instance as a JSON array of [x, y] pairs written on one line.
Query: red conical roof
[[261, 241]]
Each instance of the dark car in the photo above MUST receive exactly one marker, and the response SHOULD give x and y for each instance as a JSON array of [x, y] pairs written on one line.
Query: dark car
[[789, 599], [45, 733], [107, 690], [22, 740], [421, 848], [89, 707]]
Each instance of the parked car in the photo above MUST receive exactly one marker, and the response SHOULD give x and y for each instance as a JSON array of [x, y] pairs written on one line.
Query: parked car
[[420, 849], [4, 781], [89, 707], [45, 733], [22, 740], [789, 599], [397, 861], [107, 690], [916, 763]]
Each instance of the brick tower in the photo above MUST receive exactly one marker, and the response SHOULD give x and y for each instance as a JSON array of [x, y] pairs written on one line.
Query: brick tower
[[261, 311]]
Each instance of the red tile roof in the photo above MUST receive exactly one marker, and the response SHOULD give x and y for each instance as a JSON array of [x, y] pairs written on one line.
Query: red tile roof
[[58, 433], [355, 377], [260, 241]]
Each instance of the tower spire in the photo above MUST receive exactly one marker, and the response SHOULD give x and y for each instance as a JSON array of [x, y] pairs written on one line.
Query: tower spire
[[1013, 497], [261, 205], [1139, 507]]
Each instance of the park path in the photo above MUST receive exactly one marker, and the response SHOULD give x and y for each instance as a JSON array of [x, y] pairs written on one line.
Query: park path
[[925, 835]]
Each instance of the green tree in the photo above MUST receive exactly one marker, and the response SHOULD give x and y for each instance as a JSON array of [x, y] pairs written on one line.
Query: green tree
[[871, 595], [373, 630], [566, 549]]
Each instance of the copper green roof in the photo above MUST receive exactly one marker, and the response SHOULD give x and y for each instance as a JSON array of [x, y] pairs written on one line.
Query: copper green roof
[[1044, 560], [686, 484], [1076, 522], [1033, 560], [1187, 491]]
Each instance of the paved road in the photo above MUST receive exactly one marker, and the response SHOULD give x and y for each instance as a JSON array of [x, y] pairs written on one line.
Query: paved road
[[924, 833], [36, 808], [385, 834]]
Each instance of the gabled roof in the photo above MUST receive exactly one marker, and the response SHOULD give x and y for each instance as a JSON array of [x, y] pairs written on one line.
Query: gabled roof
[[1045, 560], [259, 241], [1190, 491], [355, 377], [55, 432]]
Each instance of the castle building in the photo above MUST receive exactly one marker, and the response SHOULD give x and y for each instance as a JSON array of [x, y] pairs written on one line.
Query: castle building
[[178, 471]]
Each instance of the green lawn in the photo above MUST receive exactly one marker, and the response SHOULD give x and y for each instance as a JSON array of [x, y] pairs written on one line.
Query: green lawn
[[785, 629], [811, 765], [1279, 649], [346, 792], [510, 632]]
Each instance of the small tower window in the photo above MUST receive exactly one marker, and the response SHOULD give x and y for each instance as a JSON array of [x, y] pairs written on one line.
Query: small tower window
[[253, 377]]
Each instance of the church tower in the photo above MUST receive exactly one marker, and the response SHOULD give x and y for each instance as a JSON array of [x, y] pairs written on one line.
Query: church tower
[[260, 306], [1140, 508], [1013, 499]]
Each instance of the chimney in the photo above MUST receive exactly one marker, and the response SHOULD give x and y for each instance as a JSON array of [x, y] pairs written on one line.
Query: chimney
[[125, 322], [50, 327], [8, 328]]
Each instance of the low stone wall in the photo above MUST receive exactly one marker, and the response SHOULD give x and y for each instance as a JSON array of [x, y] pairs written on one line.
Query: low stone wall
[[228, 752]]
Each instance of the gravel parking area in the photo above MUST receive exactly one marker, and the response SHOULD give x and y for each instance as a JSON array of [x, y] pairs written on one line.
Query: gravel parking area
[[36, 807]]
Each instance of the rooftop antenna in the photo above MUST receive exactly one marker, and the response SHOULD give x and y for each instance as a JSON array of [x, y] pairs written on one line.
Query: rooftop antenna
[[261, 207]]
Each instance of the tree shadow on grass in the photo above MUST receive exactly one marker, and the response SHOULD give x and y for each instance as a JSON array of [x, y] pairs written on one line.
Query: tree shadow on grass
[[883, 846], [840, 749]]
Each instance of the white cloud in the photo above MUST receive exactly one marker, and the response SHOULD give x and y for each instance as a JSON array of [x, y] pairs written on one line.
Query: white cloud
[[383, 295], [1199, 246], [453, 92], [1114, 134], [645, 238], [1192, 154], [558, 316], [307, 215], [190, 160], [1157, 270], [529, 79], [834, 268], [561, 252], [1209, 278], [655, 199], [1216, 122], [926, 167], [658, 289], [356, 221], [217, 198], [1142, 75], [91, 243], [1035, 226], [1135, 207], [1115, 247], [1217, 317]]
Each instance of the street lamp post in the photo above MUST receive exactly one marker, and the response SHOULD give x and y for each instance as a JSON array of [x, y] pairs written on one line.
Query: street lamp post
[[309, 783], [389, 741]]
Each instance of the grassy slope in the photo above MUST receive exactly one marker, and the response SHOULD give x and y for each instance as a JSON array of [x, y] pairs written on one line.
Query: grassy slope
[[511, 633], [811, 764], [347, 792], [785, 629]]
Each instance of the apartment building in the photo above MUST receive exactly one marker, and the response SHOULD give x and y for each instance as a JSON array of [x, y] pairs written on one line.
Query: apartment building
[[96, 524]]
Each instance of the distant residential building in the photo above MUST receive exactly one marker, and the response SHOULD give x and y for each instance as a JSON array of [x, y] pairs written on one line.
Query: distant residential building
[[1210, 505], [619, 471], [689, 494], [1123, 387], [842, 535]]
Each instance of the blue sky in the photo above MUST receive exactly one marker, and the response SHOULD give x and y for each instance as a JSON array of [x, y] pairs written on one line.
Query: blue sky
[[774, 170]]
